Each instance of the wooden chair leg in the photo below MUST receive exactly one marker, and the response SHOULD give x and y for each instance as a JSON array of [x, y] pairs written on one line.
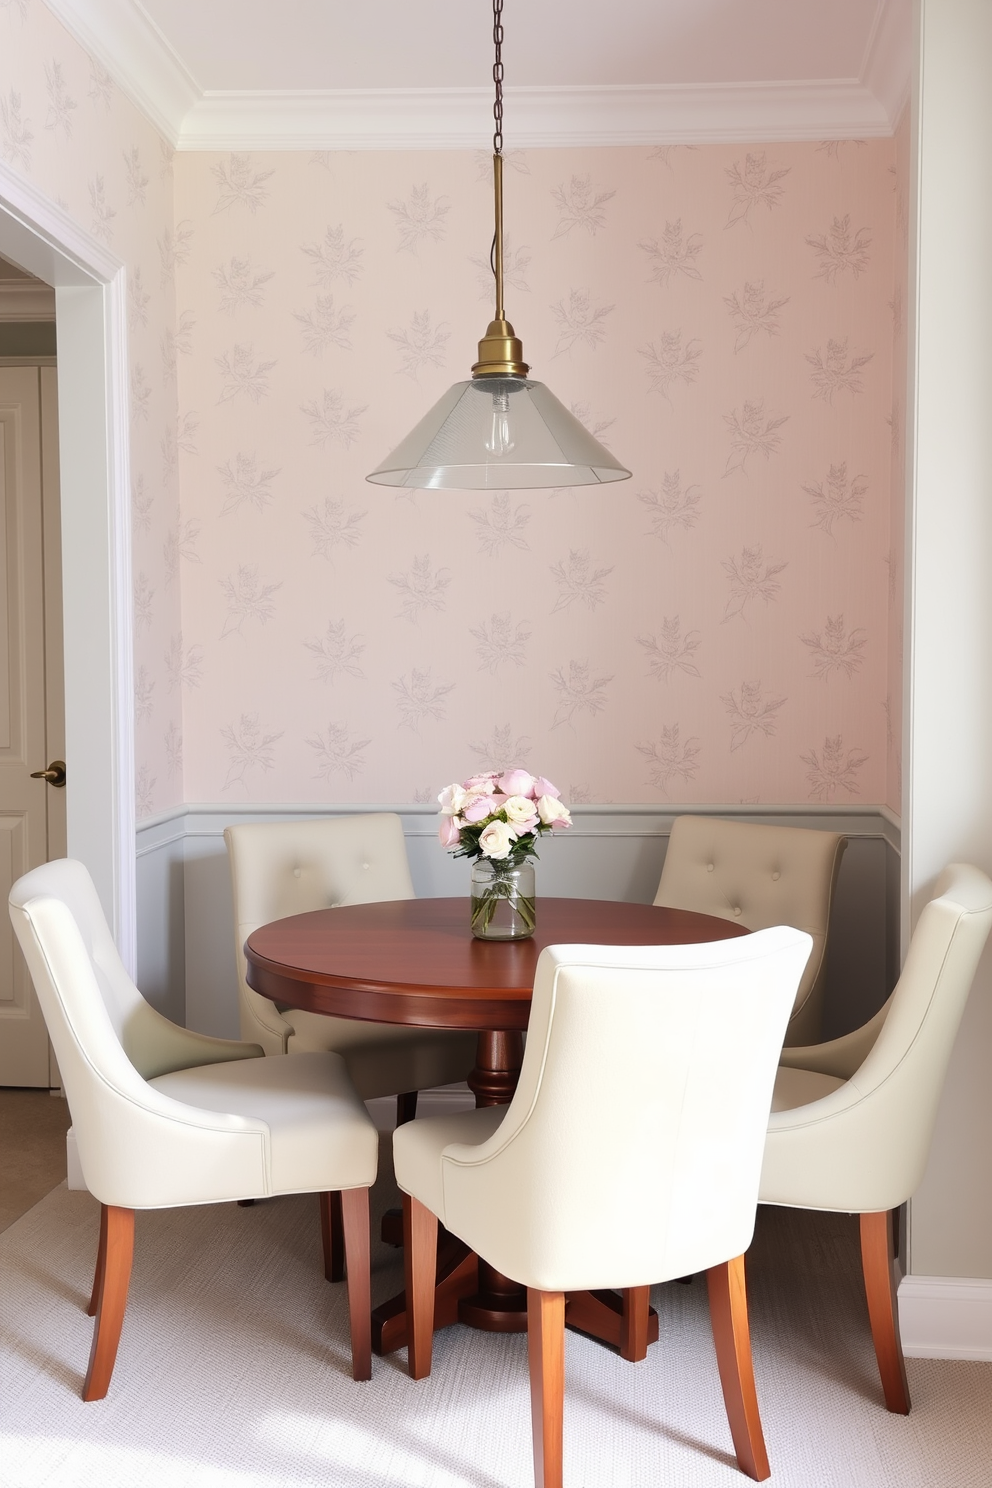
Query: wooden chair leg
[[546, 1353], [420, 1267], [634, 1327], [113, 1275], [332, 1235], [406, 1107], [101, 1265], [732, 1340], [358, 1261], [877, 1250]]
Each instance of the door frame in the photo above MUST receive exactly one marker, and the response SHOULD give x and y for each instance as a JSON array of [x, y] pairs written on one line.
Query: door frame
[[91, 322]]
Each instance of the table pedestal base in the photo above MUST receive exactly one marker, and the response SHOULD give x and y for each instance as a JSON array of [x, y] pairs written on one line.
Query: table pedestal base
[[457, 1277], [499, 1306], [468, 1290]]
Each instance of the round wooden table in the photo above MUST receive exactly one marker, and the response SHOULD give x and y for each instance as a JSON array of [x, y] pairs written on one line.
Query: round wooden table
[[415, 962]]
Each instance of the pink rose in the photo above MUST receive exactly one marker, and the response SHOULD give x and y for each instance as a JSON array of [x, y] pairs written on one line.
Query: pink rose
[[482, 784], [477, 809], [544, 787], [517, 783], [449, 831]]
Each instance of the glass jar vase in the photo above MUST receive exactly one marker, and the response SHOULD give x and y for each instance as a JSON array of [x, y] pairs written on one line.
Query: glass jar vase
[[503, 903]]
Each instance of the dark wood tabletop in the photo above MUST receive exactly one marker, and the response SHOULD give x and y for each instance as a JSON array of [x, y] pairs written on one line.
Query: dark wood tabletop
[[415, 961]]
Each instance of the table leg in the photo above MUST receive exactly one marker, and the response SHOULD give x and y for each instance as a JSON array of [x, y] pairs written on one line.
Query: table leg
[[498, 1058]]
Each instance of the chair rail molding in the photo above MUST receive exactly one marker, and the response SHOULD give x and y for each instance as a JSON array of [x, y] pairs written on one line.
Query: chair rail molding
[[613, 851], [91, 313]]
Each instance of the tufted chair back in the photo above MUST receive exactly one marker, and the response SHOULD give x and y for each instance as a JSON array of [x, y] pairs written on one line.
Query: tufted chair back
[[288, 868], [759, 876]]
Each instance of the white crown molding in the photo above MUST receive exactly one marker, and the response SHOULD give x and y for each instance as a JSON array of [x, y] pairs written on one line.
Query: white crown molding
[[946, 1317], [122, 38], [888, 64], [538, 118]]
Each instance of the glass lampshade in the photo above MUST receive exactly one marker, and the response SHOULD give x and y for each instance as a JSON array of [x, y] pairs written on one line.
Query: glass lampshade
[[498, 434]]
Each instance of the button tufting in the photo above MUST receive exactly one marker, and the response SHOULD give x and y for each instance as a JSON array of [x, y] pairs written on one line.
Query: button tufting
[[737, 910], [296, 872], [709, 867], [365, 865], [776, 876]]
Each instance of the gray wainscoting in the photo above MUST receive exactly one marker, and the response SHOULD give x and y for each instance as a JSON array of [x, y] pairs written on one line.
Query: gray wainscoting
[[185, 917]]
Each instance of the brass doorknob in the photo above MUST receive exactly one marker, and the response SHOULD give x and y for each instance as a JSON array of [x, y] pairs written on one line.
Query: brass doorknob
[[55, 774]]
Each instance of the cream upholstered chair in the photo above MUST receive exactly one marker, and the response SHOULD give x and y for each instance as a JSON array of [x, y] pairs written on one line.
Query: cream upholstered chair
[[852, 1119], [287, 868], [629, 1154], [163, 1117], [759, 876]]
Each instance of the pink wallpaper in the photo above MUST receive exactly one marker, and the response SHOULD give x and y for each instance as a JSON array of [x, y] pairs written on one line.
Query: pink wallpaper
[[714, 630], [65, 125], [899, 306]]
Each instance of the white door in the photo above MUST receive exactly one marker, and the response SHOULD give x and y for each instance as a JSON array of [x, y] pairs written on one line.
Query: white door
[[32, 812]]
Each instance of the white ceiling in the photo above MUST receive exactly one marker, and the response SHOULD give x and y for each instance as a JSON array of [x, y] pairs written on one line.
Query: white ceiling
[[447, 43], [398, 74]]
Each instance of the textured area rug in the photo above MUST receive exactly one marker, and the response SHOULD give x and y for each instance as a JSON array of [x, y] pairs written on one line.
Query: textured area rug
[[233, 1372]]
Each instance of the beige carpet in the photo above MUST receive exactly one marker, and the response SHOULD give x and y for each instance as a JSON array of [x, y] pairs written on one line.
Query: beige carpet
[[233, 1373]]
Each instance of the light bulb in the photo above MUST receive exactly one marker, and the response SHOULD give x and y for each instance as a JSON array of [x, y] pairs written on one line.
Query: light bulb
[[499, 441]]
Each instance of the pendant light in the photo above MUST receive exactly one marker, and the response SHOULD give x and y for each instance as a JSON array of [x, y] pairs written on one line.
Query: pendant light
[[500, 430]]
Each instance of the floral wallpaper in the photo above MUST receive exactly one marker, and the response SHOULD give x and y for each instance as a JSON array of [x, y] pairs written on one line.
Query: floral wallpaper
[[726, 626], [716, 629], [67, 127], [897, 537]]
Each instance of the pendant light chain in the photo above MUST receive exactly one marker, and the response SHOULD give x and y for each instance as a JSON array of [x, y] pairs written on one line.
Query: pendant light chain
[[498, 76], [496, 252], [501, 430]]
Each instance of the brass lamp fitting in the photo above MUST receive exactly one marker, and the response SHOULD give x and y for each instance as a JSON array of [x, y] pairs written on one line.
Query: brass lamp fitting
[[501, 353]]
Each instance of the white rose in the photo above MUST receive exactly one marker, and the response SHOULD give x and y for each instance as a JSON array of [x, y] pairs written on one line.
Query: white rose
[[550, 810], [452, 799], [497, 840], [518, 808]]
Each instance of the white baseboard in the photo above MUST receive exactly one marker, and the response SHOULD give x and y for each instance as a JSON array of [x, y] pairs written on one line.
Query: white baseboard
[[946, 1317]]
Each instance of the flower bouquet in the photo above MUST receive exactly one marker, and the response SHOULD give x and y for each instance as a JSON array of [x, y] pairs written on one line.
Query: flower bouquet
[[495, 819]]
